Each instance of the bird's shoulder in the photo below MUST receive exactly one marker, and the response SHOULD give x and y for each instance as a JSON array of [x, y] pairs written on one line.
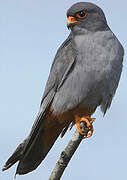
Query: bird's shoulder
[[104, 41], [110, 42]]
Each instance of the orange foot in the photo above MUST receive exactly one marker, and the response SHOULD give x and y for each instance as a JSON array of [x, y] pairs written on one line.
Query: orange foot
[[86, 130]]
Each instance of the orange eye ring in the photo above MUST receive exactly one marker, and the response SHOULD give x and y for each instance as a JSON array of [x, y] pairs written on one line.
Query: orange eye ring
[[81, 14]]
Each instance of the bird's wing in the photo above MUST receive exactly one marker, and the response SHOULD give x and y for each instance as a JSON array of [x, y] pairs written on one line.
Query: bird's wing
[[62, 65], [115, 66]]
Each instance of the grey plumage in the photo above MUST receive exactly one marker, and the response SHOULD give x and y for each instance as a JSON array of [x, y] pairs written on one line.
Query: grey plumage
[[86, 70], [96, 74]]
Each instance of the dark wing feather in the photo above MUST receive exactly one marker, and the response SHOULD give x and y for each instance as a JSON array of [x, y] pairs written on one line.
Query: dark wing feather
[[61, 67]]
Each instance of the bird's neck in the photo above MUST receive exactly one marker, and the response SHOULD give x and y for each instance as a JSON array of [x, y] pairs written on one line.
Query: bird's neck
[[78, 30]]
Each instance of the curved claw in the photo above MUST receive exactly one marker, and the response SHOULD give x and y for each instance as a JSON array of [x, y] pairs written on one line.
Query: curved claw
[[88, 120]]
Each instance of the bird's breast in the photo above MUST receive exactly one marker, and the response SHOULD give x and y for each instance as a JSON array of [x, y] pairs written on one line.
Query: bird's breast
[[94, 75]]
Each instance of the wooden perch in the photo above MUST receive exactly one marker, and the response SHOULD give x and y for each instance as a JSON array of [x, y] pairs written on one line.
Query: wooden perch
[[67, 154]]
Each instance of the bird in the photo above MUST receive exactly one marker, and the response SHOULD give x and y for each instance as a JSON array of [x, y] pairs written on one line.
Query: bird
[[84, 76]]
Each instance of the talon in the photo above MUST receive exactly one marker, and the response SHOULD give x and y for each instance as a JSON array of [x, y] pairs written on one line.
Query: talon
[[88, 120]]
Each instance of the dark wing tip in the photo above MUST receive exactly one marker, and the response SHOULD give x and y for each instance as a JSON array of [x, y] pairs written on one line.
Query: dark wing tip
[[16, 156], [6, 167], [9, 163]]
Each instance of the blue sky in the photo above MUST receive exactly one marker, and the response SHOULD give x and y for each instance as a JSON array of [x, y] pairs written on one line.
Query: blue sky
[[30, 34]]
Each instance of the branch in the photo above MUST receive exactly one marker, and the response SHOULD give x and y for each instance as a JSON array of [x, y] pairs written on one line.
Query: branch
[[67, 154]]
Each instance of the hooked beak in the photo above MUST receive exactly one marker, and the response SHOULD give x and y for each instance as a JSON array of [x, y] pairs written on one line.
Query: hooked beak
[[71, 22]]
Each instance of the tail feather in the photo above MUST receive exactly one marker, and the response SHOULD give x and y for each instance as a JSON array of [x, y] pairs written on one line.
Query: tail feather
[[33, 156], [33, 150], [37, 150], [16, 156]]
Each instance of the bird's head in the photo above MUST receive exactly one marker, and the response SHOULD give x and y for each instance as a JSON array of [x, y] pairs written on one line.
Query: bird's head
[[86, 15]]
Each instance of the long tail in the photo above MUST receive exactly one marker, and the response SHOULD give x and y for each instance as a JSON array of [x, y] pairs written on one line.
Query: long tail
[[33, 150]]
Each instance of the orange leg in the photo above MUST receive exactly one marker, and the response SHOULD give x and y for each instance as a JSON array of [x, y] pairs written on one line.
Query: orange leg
[[89, 127]]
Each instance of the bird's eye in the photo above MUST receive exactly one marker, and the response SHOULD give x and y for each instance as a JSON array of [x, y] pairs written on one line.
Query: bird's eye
[[81, 14]]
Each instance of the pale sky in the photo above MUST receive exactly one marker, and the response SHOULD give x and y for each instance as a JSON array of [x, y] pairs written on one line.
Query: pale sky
[[30, 34]]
